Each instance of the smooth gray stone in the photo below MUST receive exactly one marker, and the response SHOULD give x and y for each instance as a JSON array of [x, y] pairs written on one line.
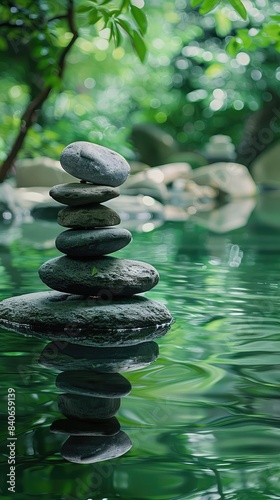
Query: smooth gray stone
[[104, 427], [65, 356], [87, 408], [83, 320], [87, 450], [92, 242], [80, 193], [105, 277], [89, 383], [94, 163], [88, 216]]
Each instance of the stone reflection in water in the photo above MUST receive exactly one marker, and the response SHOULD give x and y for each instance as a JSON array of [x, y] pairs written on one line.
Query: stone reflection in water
[[93, 304], [92, 395], [89, 403], [66, 356], [93, 389], [87, 383], [86, 450]]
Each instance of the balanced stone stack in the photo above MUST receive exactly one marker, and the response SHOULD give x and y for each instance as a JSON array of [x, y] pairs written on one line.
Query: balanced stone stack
[[92, 234], [94, 307]]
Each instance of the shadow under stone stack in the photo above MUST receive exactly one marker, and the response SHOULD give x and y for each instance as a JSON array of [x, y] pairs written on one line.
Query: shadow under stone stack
[[95, 308]]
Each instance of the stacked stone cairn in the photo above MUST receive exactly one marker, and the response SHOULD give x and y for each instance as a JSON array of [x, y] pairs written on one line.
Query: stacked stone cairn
[[97, 322]]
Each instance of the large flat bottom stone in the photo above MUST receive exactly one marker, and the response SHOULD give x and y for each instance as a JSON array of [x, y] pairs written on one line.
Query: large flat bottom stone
[[84, 320]]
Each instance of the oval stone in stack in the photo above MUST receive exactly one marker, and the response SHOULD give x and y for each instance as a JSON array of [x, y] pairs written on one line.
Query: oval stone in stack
[[92, 242], [75, 193], [105, 277], [94, 163], [88, 216]]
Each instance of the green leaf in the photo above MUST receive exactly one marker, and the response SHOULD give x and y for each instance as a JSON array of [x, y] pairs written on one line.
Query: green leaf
[[118, 37], [93, 271], [84, 8], [125, 4], [112, 27], [262, 40], [243, 34], [94, 16], [139, 45], [276, 17], [140, 18], [115, 33], [239, 7], [273, 31], [234, 46], [208, 5], [136, 38], [126, 26]]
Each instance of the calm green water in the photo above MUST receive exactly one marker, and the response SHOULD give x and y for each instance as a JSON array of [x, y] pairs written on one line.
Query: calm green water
[[203, 419]]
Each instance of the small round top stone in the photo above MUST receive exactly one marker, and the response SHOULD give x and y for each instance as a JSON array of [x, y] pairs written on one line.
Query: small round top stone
[[94, 163]]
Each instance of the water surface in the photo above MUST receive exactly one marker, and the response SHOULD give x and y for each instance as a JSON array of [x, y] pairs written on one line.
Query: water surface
[[204, 418]]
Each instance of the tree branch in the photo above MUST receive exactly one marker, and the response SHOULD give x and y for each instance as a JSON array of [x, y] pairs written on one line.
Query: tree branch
[[30, 114]]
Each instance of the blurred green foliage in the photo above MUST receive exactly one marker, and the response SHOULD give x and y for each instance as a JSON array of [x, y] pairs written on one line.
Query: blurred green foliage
[[201, 74]]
